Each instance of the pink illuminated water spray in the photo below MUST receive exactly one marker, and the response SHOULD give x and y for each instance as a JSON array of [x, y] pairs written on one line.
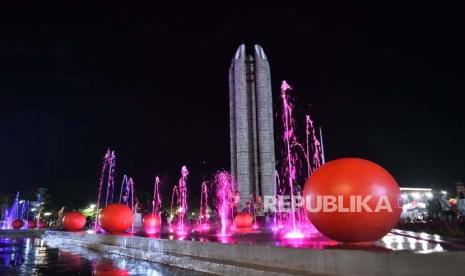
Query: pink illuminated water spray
[[156, 201], [108, 169], [223, 191], [174, 195], [203, 214], [182, 198], [289, 139], [313, 144]]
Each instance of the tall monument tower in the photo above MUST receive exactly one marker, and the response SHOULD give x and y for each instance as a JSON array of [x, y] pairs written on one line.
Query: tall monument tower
[[251, 124]]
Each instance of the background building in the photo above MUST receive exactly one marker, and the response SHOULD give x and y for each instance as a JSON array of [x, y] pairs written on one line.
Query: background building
[[251, 124]]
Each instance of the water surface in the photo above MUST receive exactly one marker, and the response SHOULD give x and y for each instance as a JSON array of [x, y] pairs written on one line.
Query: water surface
[[31, 256]]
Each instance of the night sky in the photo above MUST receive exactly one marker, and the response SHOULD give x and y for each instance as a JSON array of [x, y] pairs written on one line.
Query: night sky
[[384, 82]]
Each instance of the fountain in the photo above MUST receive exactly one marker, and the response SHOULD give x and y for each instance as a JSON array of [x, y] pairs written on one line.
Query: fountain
[[314, 157], [126, 196], [180, 191], [291, 224], [108, 169], [24, 211], [152, 221], [156, 201], [174, 194], [317, 147], [223, 190], [19, 210], [204, 215], [290, 157]]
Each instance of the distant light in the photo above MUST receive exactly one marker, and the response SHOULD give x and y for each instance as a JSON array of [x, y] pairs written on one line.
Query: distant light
[[33, 209], [416, 189], [47, 214], [404, 196], [21, 201], [444, 192], [416, 195], [92, 206], [193, 213], [429, 195]]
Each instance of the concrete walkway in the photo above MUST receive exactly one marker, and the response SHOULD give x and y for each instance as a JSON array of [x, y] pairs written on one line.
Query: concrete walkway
[[244, 259], [21, 233]]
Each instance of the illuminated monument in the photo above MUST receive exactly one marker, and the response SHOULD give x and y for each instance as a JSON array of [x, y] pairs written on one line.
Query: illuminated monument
[[251, 124]]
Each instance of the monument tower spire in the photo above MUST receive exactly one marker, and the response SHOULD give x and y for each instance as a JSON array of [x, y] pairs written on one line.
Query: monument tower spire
[[251, 124]]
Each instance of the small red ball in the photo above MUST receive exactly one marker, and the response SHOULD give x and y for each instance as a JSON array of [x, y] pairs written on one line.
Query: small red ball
[[359, 200], [152, 223], [31, 224], [243, 220], [103, 268], [74, 221], [116, 218], [17, 224]]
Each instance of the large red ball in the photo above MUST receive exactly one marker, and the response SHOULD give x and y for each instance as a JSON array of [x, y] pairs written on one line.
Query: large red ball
[[31, 224], [152, 223], [74, 221], [116, 218], [243, 220], [346, 179], [17, 224]]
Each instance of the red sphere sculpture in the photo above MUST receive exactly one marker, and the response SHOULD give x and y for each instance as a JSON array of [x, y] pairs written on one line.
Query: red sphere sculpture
[[31, 224], [116, 218], [152, 223], [243, 220], [106, 269], [17, 224], [352, 200], [74, 221]]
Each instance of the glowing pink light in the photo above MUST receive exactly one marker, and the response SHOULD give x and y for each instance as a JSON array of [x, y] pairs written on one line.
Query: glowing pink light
[[294, 235], [151, 230], [181, 233]]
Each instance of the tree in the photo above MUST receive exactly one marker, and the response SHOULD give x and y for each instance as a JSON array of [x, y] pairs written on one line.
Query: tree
[[3, 204]]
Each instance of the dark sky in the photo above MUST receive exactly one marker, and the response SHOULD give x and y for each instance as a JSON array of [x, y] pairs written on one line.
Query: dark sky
[[384, 82]]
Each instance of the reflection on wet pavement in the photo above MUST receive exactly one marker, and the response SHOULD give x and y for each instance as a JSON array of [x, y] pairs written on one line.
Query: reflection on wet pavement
[[31, 256]]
